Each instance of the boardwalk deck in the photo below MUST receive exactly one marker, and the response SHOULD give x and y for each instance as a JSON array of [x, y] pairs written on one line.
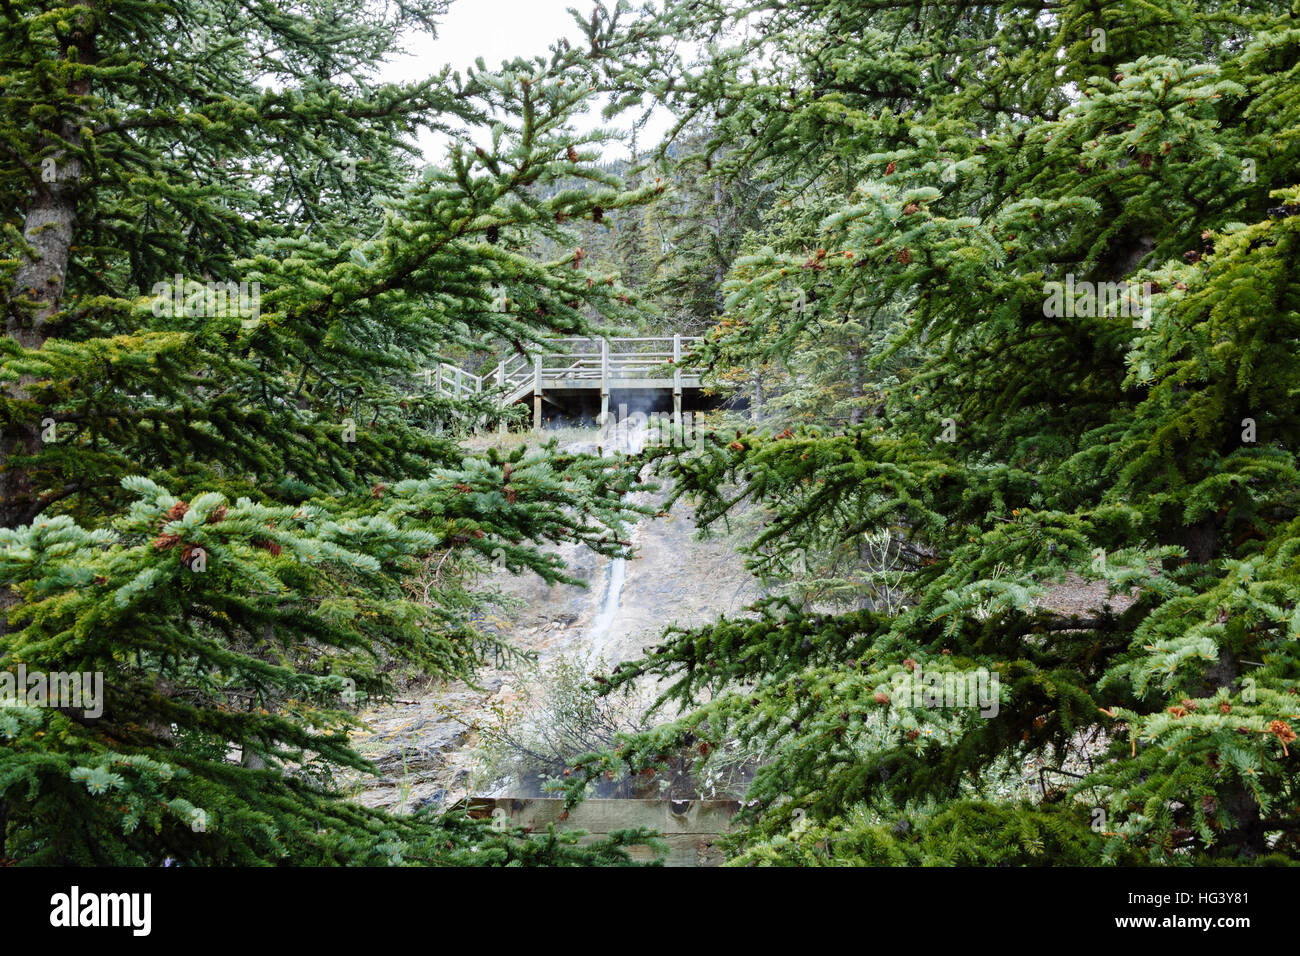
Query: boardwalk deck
[[578, 365]]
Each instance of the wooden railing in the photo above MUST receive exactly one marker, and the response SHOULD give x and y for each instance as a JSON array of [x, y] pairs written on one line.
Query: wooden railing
[[581, 362], [452, 381]]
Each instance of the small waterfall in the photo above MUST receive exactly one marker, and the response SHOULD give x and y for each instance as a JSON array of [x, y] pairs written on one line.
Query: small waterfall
[[624, 437], [598, 630], [616, 437]]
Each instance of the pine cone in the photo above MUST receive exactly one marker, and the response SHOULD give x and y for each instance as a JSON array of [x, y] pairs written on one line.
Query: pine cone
[[1282, 730]]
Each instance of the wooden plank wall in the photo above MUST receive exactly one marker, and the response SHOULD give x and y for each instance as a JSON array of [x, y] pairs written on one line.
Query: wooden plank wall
[[691, 828]]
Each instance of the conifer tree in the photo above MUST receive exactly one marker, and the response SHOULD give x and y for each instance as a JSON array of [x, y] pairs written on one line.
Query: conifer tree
[[1085, 215], [700, 226], [222, 275]]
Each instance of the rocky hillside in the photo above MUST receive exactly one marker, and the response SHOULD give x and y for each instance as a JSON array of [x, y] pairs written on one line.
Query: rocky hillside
[[425, 742]]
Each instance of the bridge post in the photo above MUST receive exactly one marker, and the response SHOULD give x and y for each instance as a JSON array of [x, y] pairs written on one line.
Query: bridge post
[[537, 394], [501, 383], [434, 377], [604, 381], [677, 382]]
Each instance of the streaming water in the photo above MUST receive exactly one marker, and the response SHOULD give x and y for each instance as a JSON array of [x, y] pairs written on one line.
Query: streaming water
[[617, 437], [598, 630]]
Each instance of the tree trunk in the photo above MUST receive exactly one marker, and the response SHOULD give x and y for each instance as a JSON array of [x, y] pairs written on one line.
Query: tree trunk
[[858, 386], [719, 266], [1247, 838], [38, 284]]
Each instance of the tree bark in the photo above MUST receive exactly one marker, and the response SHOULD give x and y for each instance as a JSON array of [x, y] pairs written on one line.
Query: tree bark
[[38, 286], [1248, 837], [857, 384]]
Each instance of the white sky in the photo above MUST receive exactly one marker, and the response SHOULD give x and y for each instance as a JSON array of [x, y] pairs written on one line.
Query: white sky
[[498, 30]]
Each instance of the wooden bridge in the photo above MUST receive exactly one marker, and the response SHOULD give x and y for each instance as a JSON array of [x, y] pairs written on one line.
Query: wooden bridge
[[579, 366]]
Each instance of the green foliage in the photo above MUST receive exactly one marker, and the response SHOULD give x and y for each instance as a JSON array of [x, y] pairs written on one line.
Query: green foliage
[[220, 507], [944, 165], [883, 203]]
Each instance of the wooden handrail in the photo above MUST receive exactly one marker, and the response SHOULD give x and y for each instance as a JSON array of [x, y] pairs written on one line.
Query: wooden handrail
[[616, 359]]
